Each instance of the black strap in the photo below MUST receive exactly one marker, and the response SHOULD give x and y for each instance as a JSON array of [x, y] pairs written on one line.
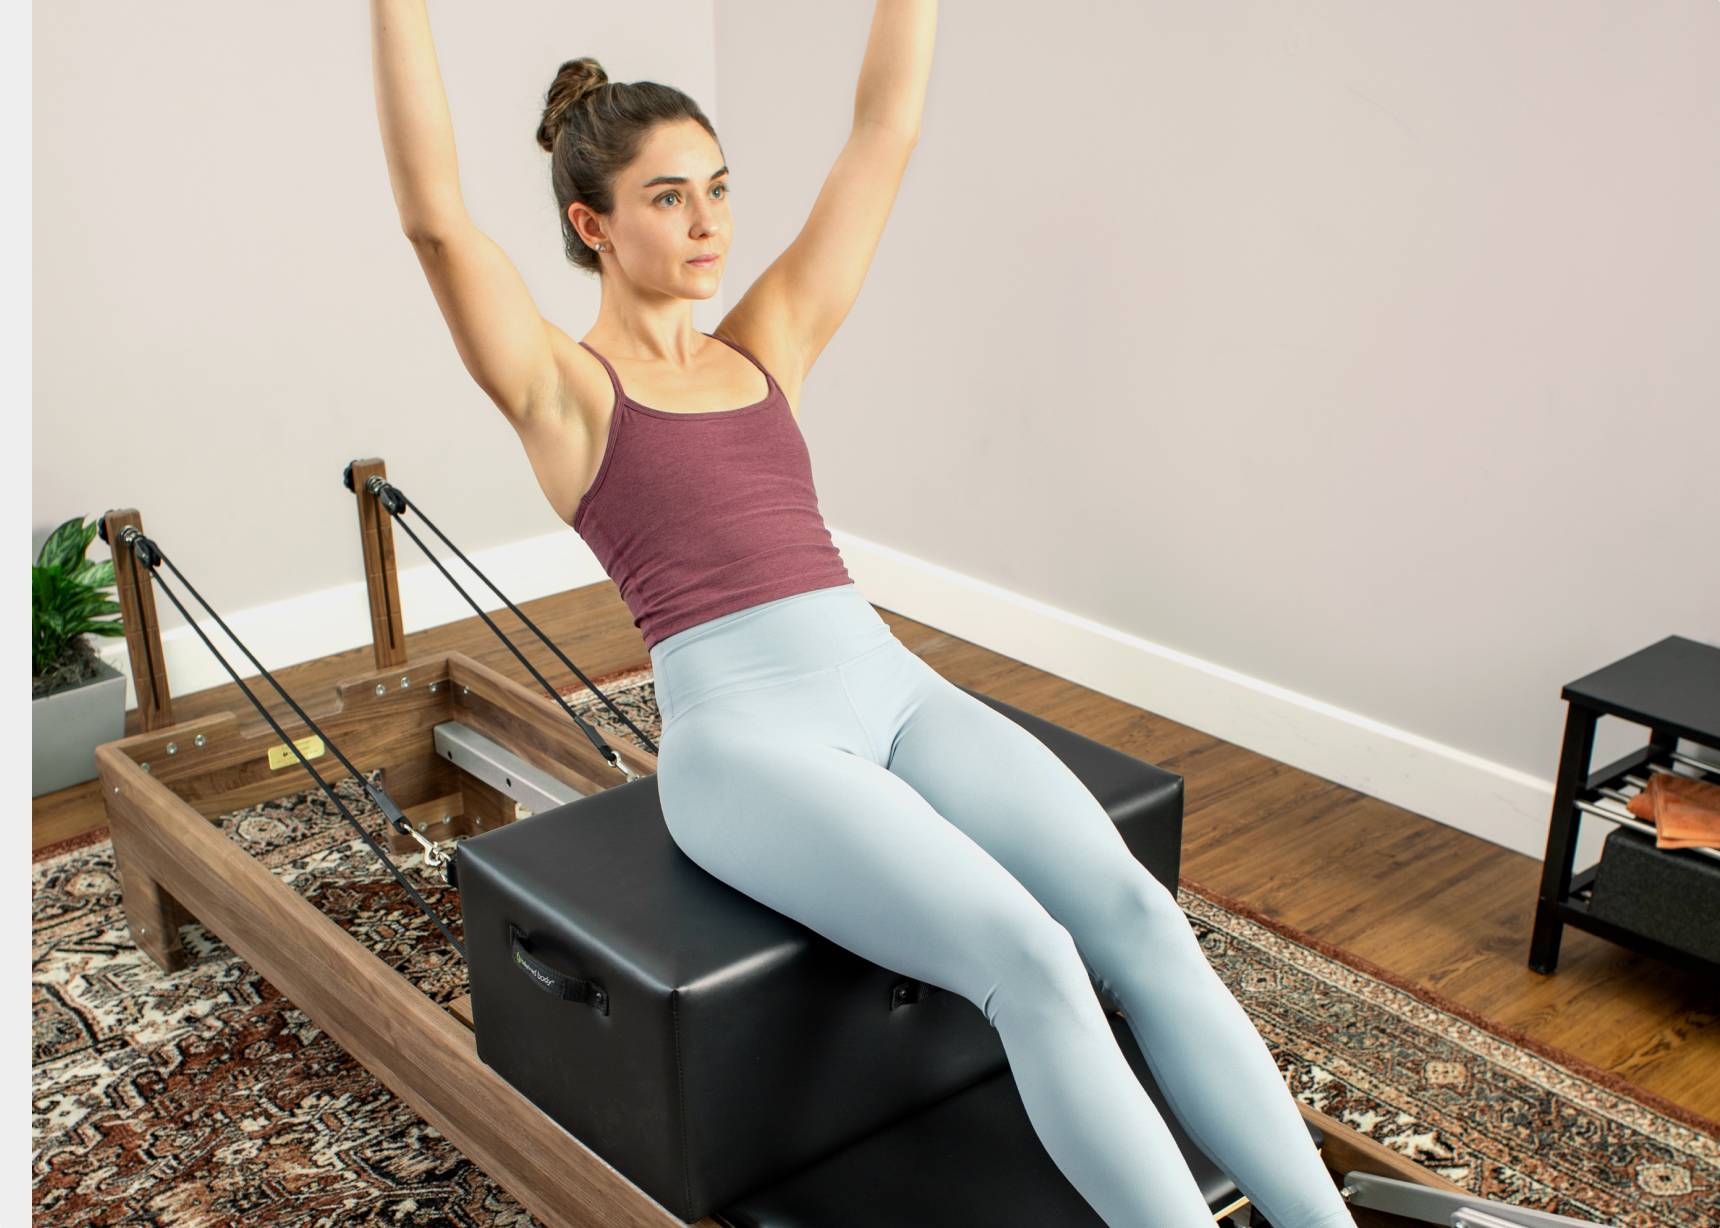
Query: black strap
[[555, 984], [150, 554]]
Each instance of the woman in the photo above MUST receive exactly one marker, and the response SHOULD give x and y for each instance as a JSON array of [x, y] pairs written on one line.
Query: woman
[[806, 757]]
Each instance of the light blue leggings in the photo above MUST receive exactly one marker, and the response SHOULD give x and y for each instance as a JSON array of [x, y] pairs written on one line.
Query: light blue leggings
[[812, 762]]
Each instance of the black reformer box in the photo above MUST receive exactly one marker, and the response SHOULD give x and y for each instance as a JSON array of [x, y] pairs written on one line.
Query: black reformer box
[[725, 1047]]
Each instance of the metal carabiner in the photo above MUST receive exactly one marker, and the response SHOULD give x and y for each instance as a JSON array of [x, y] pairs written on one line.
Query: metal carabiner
[[434, 854]]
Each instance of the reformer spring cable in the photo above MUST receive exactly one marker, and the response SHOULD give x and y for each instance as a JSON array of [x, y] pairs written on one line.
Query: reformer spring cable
[[394, 501], [149, 554]]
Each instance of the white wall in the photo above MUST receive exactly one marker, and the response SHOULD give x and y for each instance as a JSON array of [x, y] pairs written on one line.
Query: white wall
[[1339, 378]]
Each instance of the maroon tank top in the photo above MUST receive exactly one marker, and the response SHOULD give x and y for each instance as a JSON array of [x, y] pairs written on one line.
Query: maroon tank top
[[694, 515]]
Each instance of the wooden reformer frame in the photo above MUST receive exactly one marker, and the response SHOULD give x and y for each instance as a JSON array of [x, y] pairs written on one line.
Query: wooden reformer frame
[[161, 787]]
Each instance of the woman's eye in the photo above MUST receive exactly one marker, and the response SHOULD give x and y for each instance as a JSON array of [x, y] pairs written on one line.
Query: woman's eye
[[723, 186]]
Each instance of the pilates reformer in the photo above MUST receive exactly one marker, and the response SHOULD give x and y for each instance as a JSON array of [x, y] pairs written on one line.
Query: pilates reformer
[[641, 1044]]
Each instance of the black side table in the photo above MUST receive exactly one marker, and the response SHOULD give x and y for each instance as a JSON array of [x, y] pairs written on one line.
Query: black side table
[[1673, 687]]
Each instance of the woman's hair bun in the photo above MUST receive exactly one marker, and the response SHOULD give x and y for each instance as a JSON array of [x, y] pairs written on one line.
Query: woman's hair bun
[[573, 81]]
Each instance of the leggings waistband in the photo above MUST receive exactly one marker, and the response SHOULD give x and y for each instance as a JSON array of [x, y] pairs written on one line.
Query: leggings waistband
[[773, 641]]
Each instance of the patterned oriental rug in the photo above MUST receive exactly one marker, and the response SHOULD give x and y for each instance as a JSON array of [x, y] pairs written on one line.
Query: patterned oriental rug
[[203, 1098]]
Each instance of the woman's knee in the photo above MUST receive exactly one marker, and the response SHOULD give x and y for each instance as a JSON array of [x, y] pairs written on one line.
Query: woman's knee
[[1037, 962], [1131, 899], [1149, 918], [1126, 916]]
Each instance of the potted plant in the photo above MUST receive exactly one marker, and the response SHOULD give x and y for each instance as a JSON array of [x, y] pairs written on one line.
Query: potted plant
[[77, 700]]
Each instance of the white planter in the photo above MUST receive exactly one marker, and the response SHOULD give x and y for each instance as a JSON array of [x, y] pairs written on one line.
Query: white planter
[[68, 725]]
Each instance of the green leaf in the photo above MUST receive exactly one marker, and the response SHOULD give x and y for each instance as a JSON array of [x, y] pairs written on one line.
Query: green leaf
[[66, 544], [67, 594], [94, 574]]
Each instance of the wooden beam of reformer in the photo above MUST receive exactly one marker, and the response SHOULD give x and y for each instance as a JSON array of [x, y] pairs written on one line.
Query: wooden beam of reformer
[[137, 615], [381, 579]]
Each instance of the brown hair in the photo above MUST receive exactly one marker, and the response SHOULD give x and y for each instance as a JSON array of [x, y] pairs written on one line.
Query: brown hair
[[592, 128]]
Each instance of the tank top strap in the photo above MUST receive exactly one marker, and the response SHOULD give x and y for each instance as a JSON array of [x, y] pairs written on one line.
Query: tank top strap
[[620, 394], [770, 380], [613, 378]]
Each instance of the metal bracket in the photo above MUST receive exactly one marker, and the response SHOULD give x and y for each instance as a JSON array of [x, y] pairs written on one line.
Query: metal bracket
[[1444, 1207], [501, 769]]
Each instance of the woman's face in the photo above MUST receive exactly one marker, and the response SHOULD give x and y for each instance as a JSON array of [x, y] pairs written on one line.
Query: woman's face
[[671, 204]]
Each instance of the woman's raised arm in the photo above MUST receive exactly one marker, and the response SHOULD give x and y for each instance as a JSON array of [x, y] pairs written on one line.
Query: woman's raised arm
[[412, 107], [503, 340], [808, 290]]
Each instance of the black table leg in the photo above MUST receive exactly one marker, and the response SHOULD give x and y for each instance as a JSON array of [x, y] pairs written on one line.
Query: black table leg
[[1562, 837]]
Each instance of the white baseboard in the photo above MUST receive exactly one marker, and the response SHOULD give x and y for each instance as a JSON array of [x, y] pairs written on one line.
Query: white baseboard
[[1462, 790]]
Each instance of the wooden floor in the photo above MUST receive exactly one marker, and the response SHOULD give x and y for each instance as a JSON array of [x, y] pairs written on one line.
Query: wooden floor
[[1441, 908]]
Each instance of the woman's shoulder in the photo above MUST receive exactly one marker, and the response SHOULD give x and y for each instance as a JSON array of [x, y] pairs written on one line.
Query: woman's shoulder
[[771, 346]]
